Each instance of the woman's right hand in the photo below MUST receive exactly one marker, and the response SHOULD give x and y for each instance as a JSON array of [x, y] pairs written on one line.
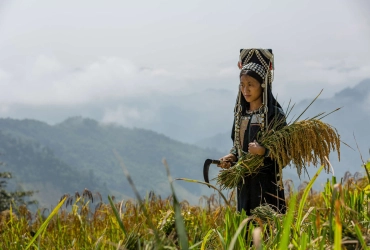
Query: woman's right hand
[[240, 66], [225, 162]]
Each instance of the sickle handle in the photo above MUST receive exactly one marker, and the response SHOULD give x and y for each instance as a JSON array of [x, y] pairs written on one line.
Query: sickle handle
[[206, 166]]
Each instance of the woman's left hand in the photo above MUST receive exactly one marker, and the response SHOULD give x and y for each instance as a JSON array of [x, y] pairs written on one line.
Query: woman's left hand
[[255, 149]]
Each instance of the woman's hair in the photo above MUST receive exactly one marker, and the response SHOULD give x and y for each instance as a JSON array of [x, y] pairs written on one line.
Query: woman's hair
[[243, 102], [251, 74]]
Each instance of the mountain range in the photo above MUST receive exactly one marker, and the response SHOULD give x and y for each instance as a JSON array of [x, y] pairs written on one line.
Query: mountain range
[[79, 153]]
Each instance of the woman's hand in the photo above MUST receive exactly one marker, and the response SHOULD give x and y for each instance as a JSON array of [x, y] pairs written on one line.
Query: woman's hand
[[240, 65], [255, 149], [226, 161]]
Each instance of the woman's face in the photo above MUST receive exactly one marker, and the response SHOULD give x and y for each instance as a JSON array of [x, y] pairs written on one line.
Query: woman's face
[[250, 88]]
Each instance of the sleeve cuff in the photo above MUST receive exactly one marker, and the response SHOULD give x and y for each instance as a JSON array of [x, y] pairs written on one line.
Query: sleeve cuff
[[234, 151]]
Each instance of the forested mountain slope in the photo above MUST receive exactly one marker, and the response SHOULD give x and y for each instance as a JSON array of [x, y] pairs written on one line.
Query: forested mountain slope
[[79, 153]]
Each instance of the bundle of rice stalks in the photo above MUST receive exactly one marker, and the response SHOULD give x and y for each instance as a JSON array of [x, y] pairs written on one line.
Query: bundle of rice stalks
[[266, 213], [300, 143]]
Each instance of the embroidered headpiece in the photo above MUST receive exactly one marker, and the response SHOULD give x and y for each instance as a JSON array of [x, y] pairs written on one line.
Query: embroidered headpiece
[[260, 61], [257, 68]]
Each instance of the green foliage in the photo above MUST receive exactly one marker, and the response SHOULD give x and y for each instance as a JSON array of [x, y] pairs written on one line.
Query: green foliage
[[338, 217], [16, 198], [37, 168], [78, 154], [46, 222]]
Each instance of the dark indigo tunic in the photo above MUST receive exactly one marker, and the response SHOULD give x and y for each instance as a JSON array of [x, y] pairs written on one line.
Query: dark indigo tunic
[[261, 188]]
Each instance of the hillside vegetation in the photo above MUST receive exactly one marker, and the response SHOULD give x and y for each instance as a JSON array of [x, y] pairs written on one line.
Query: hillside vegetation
[[78, 154], [336, 218]]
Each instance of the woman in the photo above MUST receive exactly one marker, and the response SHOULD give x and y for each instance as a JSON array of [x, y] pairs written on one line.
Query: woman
[[256, 111]]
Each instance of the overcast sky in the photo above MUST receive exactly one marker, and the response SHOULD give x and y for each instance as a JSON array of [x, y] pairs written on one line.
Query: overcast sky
[[79, 52]]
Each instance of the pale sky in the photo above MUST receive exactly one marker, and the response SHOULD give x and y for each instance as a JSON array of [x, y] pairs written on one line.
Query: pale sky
[[79, 52]]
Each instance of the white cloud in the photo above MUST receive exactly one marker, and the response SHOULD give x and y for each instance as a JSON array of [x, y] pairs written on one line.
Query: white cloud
[[305, 79], [4, 109], [160, 72], [122, 51], [313, 64], [122, 115], [229, 71], [132, 116], [45, 65], [6, 86], [46, 81], [4, 76]]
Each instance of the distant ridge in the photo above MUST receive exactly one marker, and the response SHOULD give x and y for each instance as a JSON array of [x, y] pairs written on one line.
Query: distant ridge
[[78, 153], [359, 91]]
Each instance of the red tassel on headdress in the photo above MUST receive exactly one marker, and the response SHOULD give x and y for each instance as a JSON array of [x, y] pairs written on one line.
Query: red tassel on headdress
[[270, 66]]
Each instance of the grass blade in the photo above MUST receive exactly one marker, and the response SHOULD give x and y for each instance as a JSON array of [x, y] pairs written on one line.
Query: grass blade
[[360, 236], [304, 111], [222, 240], [117, 215], [46, 222], [287, 224], [237, 233], [141, 203], [179, 222], [304, 197], [207, 184], [338, 228], [205, 239], [335, 110]]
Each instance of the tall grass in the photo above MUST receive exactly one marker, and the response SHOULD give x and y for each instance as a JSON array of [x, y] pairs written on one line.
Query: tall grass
[[338, 217]]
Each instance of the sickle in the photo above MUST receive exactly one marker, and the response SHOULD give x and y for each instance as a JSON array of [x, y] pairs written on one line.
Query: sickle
[[208, 163]]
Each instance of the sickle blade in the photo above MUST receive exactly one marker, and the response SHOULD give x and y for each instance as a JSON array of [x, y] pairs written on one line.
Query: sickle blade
[[207, 163]]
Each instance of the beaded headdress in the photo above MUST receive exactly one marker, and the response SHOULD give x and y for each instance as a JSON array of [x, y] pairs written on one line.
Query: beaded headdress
[[261, 62]]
